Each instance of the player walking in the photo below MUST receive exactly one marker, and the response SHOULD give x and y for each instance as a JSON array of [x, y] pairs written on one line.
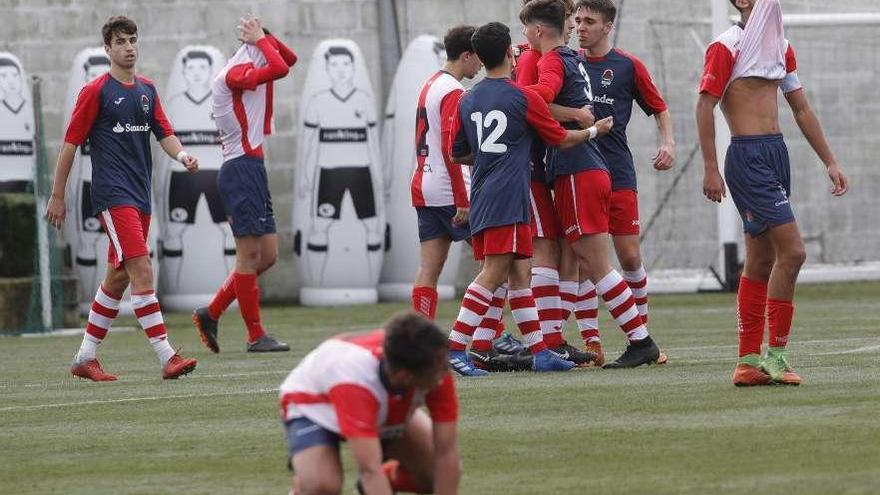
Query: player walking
[[440, 187], [116, 112], [242, 94], [745, 69]]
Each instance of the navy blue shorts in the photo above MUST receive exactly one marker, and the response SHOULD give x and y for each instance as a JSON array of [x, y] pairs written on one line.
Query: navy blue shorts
[[758, 176], [244, 187], [303, 433], [436, 222]]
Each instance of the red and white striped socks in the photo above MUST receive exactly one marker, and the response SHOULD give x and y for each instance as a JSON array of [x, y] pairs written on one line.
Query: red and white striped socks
[[638, 282], [621, 304], [149, 315], [587, 312], [487, 331], [474, 306], [545, 290], [424, 301], [568, 294], [525, 313], [104, 310]]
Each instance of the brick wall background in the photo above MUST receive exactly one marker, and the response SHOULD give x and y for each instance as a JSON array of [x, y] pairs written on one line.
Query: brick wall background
[[838, 66]]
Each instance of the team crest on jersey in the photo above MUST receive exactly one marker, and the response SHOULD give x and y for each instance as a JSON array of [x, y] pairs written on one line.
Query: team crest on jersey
[[607, 78], [145, 104]]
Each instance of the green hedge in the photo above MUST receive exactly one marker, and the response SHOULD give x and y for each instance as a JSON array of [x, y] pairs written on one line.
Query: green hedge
[[17, 234]]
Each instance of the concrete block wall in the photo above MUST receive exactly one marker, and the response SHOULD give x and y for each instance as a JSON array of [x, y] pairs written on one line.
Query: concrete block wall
[[46, 34]]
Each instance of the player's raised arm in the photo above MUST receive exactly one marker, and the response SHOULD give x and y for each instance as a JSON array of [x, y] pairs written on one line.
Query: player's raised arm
[[247, 76], [812, 130]]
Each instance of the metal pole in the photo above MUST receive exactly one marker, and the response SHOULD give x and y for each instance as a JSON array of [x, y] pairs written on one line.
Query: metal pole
[[40, 199], [389, 41], [728, 218]]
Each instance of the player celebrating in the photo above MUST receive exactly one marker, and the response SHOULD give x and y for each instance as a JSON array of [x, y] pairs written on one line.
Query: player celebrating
[[242, 94], [440, 187], [619, 78], [368, 389], [744, 70], [582, 181], [497, 120], [116, 112]]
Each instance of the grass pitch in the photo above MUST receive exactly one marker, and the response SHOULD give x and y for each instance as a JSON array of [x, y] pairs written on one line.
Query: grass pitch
[[676, 429]]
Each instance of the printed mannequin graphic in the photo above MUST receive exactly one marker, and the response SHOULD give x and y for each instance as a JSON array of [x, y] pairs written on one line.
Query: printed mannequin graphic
[[339, 175], [198, 248], [16, 127]]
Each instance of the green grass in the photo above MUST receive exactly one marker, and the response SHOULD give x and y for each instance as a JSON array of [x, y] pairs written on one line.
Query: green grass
[[677, 429]]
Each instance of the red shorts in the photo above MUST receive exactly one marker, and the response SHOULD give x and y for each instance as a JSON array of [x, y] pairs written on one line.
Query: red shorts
[[127, 228], [584, 203], [506, 239], [624, 212], [544, 222]]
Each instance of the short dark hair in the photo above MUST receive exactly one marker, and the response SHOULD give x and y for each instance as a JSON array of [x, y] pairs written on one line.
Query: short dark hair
[[549, 12], [117, 25], [569, 5], [338, 50], [412, 343], [733, 2], [605, 8], [490, 42], [197, 54], [458, 41]]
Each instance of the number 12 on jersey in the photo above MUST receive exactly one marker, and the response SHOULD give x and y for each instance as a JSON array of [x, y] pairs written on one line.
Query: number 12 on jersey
[[491, 144]]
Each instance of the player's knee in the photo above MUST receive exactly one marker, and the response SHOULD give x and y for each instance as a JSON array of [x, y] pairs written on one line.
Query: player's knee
[[630, 261], [267, 261], [794, 257], [140, 271], [323, 485]]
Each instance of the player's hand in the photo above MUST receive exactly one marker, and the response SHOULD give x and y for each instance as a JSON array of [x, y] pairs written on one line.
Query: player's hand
[[191, 163], [604, 126], [56, 211], [461, 216], [665, 157], [841, 184], [250, 30], [584, 117], [713, 186]]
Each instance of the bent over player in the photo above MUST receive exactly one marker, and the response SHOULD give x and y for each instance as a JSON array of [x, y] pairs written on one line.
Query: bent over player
[[368, 389], [497, 120], [439, 187], [117, 112], [745, 69], [242, 94]]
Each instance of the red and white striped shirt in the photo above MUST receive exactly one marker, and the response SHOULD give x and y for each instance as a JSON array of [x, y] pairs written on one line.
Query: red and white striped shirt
[[242, 95], [436, 180], [340, 387]]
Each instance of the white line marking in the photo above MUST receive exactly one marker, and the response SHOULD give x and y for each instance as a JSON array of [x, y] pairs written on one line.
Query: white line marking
[[135, 399]]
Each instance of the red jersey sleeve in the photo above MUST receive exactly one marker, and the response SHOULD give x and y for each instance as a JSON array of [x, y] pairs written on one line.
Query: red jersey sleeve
[[161, 126], [357, 411], [539, 118], [526, 71], [448, 114], [248, 76], [551, 75], [442, 401], [85, 111], [716, 70], [286, 53], [646, 93], [790, 59]]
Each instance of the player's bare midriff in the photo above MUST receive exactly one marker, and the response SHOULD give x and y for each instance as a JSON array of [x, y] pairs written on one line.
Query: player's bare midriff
[[750, 107]]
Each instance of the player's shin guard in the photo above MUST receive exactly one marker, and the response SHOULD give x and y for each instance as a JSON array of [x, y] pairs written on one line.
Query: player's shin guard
[[248, 294], [223, 298], [751, 304], [779, 316], [149, 315], [621, 304], [638, 283], [104, 310], [474, 306], [545, 290], [424, 301], [525, 313], [587, 312], [485, 333]]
